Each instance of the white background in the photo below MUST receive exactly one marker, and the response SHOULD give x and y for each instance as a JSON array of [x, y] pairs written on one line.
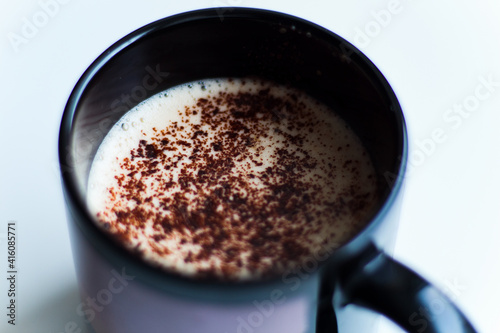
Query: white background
[[435, 54]]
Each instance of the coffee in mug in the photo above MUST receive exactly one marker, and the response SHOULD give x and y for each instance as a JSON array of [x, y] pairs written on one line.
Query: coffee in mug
[[236, 179]]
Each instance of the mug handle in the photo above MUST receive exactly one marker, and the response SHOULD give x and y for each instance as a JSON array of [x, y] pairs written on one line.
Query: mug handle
[[386, 286]]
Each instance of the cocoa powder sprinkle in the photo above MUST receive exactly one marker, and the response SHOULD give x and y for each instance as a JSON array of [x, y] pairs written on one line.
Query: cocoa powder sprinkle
[[204, 196]]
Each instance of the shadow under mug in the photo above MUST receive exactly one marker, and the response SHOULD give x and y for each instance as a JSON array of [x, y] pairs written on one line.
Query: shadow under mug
[[121, 293]]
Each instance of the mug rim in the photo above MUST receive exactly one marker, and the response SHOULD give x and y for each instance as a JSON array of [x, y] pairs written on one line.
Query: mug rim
[[159, 277]]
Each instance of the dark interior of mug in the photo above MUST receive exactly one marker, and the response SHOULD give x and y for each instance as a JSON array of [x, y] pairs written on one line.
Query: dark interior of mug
[[239, 43]]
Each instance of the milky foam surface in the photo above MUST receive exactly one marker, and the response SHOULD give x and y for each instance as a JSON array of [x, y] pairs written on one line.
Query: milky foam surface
[[234, 179]]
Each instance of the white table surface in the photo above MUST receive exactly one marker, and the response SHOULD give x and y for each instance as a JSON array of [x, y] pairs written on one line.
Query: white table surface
[[437, 55]]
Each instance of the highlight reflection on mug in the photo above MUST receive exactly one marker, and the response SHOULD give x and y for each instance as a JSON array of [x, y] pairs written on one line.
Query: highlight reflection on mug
[[438, 305], [225, 6]]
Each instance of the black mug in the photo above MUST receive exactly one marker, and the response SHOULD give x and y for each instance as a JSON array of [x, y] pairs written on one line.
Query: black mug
[[121, 293]]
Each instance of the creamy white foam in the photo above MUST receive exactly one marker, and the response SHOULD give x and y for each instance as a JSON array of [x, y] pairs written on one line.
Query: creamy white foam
[[236, 179]]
